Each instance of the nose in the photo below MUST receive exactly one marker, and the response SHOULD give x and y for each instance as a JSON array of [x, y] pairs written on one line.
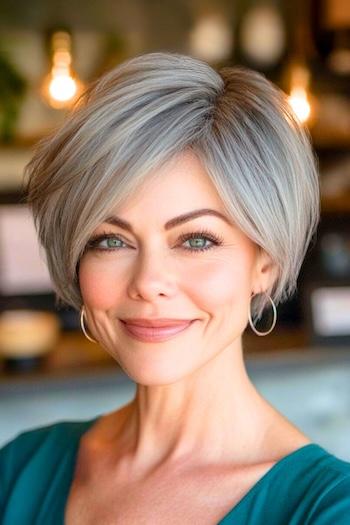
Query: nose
[[153, 275]]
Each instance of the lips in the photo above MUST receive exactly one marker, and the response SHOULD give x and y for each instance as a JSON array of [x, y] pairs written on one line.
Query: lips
[[156, 323], [155, 330]]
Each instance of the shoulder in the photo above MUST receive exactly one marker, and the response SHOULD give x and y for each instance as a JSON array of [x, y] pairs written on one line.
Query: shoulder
[[35, 451], [28, 441], [310, 486], [330, 491]]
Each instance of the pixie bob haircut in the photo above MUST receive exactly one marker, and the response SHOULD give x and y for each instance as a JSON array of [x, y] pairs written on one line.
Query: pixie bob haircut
[[142, 113]]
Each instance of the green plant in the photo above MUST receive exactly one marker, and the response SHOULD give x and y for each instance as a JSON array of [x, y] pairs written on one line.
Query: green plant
[[12, 89]]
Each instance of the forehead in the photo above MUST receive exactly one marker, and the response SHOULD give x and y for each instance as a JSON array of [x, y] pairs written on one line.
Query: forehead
[[178, 186]]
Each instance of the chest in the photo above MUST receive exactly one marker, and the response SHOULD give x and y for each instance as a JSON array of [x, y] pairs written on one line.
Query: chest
[[165, 499]]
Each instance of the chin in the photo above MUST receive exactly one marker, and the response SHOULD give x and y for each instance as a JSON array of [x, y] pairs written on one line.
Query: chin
[[155, 374]]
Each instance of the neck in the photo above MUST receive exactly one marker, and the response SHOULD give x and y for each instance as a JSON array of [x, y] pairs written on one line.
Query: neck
[[215, 415]]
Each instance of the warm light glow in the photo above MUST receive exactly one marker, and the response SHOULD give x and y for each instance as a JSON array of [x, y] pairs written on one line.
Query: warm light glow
[[61, 87], [262, 34], [299, 102], [299, 96], [211, 38]]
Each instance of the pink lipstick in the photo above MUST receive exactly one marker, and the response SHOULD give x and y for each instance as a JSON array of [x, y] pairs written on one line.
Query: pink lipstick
[[152, 331]]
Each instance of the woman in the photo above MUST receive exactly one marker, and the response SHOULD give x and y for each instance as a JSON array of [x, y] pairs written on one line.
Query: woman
[[175, 204]]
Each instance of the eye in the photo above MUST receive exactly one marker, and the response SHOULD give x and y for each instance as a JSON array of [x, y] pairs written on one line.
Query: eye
[[199, 241], [105, 242]]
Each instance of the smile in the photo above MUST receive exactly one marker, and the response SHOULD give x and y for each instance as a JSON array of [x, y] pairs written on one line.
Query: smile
[[152, 334]]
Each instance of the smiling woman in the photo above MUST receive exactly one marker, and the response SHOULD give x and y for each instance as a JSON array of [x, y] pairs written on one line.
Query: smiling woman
[[195, 268], [175, 204]]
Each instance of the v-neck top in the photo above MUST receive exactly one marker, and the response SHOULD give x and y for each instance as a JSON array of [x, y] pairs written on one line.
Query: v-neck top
[[309, 486]]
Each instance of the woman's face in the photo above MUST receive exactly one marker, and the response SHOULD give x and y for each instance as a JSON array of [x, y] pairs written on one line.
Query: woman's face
[[203, 269]]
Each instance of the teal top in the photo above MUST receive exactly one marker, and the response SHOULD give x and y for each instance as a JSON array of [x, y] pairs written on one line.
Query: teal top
[[309, 486]]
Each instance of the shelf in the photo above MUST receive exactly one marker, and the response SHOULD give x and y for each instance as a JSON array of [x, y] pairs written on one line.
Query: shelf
[[76, 361]]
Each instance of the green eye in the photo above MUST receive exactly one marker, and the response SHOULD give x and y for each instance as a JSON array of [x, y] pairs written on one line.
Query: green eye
[[107, 242], [112, 242], [199, 241]]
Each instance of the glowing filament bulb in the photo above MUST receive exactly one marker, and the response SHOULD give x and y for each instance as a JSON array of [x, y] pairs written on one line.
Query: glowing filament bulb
[[62, 85], [298, 99], [299, 102]]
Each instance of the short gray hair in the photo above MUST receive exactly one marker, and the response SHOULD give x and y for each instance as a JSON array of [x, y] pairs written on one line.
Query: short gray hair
[[138, 116]]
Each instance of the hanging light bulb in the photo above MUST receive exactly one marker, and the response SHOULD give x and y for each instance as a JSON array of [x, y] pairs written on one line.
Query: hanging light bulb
[[299, 97], [298, 100], [62, 86], [211, 38]]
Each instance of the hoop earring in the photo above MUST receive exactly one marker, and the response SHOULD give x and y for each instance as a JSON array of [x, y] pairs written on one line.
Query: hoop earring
[[83, 326], [273, 322]]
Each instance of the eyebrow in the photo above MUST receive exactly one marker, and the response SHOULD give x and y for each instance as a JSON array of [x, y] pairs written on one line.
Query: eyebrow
[[117, 221]]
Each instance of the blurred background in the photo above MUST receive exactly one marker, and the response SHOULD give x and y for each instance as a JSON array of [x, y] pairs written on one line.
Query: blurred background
[[49, 51]]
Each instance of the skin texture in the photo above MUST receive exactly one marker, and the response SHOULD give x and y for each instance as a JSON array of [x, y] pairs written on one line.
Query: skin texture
[[194, 400]]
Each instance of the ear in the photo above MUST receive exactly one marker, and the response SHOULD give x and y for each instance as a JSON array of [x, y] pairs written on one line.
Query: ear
[[265, 272]]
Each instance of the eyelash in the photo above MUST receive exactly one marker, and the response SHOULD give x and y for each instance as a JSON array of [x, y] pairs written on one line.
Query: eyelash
[[213, 238]]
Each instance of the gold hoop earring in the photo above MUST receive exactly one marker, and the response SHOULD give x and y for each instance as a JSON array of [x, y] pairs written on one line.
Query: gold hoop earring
[[83, 326], [273, 322]]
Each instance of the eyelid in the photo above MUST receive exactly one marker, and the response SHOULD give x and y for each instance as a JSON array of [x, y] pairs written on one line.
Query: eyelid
[[199, 232], [214, 238]]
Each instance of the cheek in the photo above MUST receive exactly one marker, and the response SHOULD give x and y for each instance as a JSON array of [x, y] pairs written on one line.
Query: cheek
[[212, 284], [219, 283], [98, 284]]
